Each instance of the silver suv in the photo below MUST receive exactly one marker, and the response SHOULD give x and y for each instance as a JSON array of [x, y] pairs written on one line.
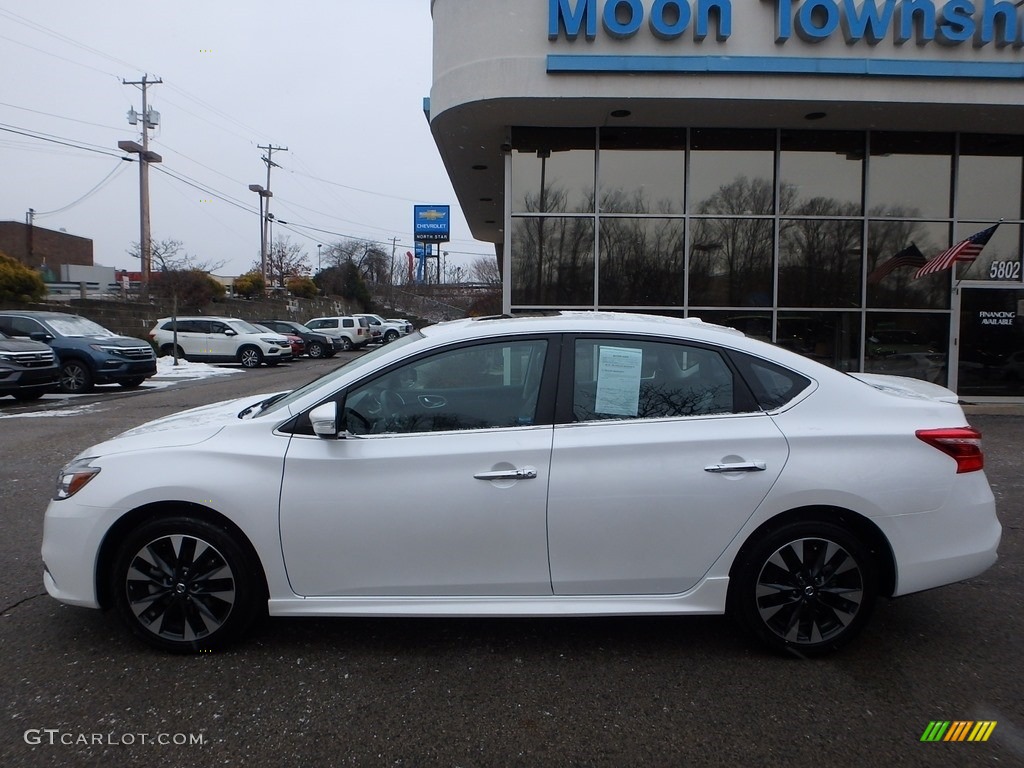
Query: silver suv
[[220, 340], [351, 332]]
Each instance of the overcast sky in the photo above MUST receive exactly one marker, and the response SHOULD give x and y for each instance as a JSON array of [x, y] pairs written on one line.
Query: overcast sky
[[340, 83]]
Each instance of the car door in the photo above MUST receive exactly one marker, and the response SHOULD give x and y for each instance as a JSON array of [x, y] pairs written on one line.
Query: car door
[[436, 492], [665, 457], [191, 337]]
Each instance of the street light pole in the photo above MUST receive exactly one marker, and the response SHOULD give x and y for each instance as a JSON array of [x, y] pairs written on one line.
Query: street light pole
[[263, 193], [318, 247]]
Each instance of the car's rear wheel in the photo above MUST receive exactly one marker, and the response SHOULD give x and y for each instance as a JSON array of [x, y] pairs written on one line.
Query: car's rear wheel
[[75, 377], [346, 343], [806, 588], [315, 349], [184, 584], [167, 350], [250, 357]]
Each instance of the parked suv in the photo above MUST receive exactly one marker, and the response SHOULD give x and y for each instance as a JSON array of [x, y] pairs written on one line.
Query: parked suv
[[317, 344], [87, 353], [28, 369], [383, 330], [350, 332], [220, 340]]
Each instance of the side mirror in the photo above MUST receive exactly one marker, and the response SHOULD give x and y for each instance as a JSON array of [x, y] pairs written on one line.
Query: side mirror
[[324, 419], [40, 336], [230, 332]]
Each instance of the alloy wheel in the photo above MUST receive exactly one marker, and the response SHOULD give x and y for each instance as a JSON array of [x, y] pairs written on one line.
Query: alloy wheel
[[180, 588]]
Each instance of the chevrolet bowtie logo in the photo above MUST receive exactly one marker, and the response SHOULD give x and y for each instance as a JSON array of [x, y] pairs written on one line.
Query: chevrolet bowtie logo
[[432, 215]]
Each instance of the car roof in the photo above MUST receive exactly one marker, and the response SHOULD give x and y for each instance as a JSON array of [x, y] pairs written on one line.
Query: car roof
[[40, 314], [585, 322]]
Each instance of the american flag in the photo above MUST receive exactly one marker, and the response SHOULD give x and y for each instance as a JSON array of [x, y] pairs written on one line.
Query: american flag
[[965, 250], [910, 256]]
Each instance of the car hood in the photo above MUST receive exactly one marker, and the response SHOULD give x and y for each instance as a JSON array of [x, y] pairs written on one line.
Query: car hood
[[114, 341], [180, 429], [21, 345], [908, 387]]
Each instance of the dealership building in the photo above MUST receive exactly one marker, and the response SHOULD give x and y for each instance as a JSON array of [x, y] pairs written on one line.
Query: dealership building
[[781, 166]]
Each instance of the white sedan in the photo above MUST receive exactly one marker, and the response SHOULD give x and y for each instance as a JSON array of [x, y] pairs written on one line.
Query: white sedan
[[572, 464]]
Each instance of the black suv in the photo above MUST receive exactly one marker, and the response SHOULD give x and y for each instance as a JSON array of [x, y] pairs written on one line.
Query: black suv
[[317, 344], [28, 369], [86, 352]]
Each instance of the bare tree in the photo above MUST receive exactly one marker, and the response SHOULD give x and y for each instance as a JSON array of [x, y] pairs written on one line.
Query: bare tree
[[285, 259], [486, 270], [168, 256]]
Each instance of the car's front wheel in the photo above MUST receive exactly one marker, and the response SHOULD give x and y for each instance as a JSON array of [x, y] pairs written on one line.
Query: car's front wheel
[[806, 588], [75, 377], [390, 336], [315, 349], [250, 357], [184, 584]]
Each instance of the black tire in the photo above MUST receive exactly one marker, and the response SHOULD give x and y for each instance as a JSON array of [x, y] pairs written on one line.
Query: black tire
[[390, 336], [315, 350], [25, 397], [806, 588], [75, 377], [346, 343], [250, 357], [185, 585], [135, 381]]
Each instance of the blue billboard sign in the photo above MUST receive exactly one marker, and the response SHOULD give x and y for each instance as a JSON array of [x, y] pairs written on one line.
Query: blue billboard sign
[[431, 223]]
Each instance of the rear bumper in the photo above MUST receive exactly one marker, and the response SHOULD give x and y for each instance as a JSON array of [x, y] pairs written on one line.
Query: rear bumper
[[957, 541]]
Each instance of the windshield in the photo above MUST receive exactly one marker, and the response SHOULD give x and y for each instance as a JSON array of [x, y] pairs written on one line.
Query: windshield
[[300, 327], [243, 327], [73, 325], [337, 373]]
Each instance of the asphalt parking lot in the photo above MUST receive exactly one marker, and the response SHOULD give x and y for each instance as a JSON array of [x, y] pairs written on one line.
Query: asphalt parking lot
[[494, 692]]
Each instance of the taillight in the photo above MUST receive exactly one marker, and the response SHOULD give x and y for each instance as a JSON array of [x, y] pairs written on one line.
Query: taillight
[[963, 444]]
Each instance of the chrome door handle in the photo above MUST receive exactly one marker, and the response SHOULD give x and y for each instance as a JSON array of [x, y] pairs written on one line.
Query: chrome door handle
[[525, 473], [745, 466]]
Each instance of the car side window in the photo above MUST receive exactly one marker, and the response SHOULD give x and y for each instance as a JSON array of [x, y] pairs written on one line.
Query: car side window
[[484, 386], [620, 379], [348, 323], [24, 327], [773, 386]]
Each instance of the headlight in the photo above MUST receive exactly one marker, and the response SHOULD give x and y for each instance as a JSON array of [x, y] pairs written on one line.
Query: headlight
[[74, 477]]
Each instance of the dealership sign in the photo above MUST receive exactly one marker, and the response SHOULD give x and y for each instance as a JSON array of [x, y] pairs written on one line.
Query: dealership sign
[[431, 223], [995, 25]]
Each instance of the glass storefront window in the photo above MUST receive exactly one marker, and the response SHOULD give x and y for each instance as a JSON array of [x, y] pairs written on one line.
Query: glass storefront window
[[819, 263], [991, 343], [553, 261], [999, 261], [732, 172], [821, 173], [642, 171], [731, 262], [553, 170], [989, 177], [908, 344], [831, 338], [641, 262], [896, 250], [909, 175]]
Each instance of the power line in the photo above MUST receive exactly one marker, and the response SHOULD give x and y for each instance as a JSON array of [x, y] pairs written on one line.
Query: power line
[[114, 172], [59, 140]]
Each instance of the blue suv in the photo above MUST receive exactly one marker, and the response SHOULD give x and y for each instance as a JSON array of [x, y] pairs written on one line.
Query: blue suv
[[87, 353]]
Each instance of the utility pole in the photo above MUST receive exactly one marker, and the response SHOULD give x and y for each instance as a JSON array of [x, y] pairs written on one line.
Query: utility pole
[[150, 119], [267, 245]]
